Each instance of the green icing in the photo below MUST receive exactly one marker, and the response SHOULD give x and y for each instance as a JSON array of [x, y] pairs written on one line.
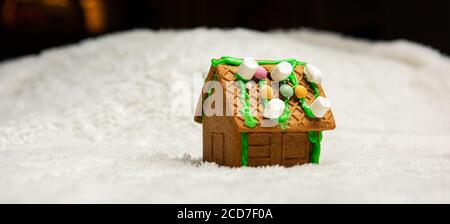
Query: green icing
[[285, 116], [244, 145], [293, 79], [314, 88], [249, 120], [315, 137], [292, 61], [303, 103], [239, 77], [228, 60], [306, 108]]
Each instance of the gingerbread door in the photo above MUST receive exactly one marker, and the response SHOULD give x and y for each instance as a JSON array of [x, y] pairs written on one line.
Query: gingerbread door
[[217, 149], [277, 148]]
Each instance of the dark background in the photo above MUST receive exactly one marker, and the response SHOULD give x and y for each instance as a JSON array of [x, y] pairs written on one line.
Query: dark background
[[28, 26]]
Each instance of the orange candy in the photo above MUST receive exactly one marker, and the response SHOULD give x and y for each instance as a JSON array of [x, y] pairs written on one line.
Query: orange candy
[[300, 91]]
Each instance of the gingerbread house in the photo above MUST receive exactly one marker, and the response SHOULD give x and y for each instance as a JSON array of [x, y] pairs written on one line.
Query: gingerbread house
[[261, 125]]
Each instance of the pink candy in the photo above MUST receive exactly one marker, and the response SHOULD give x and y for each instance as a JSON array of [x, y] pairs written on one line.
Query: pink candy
[[261, 73]]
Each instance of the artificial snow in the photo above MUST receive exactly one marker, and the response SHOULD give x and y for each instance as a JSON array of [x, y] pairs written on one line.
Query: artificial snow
[[110, 120]]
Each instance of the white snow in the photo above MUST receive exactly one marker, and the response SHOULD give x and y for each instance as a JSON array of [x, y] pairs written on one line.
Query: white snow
[[97, 122]]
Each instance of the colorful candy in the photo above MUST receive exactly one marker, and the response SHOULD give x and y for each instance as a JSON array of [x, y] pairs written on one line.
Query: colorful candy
[[261, 73], [313, 74], [300, 91], [286, 90], [266, 92], [281, 71], [248, 68]]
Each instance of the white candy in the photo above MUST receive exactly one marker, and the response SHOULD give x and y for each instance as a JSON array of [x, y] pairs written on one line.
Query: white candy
[[281, 71], [274, 109], [248, 68], [320, 106], [313, 74]]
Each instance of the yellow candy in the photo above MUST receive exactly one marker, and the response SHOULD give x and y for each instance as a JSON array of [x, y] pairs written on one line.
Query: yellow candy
[[300, 91], [266, 92]]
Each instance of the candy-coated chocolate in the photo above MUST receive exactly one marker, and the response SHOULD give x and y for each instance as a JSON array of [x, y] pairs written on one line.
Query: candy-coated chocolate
[[266, 92], [286, 90], [300, 91], [261, 73]]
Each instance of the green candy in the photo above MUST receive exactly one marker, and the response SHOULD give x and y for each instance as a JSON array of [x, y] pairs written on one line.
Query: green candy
[[286, 90]]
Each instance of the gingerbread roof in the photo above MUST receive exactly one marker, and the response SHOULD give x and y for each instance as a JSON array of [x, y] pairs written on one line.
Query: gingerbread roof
[[298, 122]]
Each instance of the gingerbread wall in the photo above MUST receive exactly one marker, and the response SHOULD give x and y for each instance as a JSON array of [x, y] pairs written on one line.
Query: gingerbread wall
[[221, 141], [222, 145], [284, 148]]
